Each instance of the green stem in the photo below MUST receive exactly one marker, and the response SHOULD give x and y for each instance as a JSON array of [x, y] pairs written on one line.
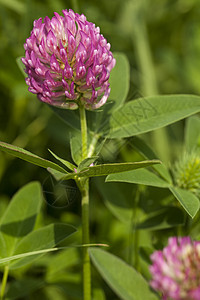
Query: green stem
[[83, 131], [86, 240], [4, 281], [84, 187]]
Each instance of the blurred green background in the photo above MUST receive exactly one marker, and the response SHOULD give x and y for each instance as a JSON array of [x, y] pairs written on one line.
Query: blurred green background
[[162, 42]]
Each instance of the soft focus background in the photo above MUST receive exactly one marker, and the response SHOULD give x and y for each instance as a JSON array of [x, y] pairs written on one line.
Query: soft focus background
[[162, 42]]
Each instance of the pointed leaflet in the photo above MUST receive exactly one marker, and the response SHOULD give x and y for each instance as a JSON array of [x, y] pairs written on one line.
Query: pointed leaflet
[[101, 170], [69, 165], [26, 254], [20, 216], [125, 281], [58, 266], [149, 113], [187, 199], [30, 157]]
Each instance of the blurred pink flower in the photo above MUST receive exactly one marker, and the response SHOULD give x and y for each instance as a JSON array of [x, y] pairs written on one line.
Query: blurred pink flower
[[176, 270], [68, 62]]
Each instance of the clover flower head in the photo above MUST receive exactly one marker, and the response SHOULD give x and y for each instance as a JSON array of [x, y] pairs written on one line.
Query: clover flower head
[[68, 62], [175, 269]]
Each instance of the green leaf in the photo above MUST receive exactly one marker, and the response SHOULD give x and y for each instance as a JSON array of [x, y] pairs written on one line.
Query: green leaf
[[125, 281], [30, 157], [43, 238], [149, 113], [192, 133], [119, 80], [52, 264], [105, 169], [141, 176], [63, 161], [20, 216], [188, 200], [101, 170], [148, 153], [163, 219]]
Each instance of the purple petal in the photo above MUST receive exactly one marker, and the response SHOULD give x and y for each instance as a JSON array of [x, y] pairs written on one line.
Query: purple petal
[[54, 63]]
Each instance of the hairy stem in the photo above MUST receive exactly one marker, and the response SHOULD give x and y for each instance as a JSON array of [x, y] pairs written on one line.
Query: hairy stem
[[84, 188], [4, 281], [83, 131]]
